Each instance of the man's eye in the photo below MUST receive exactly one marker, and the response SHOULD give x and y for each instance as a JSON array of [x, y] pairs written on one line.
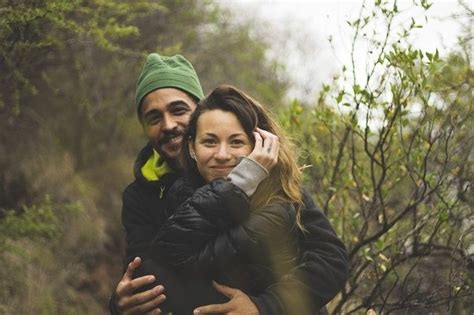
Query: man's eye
[[152, 120], [179, 111]]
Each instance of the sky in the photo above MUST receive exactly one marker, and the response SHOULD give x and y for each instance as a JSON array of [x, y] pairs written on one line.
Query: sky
[[306, 26]]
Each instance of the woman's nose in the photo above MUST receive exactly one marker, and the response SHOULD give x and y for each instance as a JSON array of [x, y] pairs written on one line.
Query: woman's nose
[[222, 153]]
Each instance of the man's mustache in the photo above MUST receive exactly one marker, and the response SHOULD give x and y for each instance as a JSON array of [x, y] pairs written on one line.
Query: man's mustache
[[169, 134]]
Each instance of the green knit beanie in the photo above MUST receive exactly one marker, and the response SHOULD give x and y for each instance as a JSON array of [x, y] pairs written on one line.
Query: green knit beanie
[[161, 72]]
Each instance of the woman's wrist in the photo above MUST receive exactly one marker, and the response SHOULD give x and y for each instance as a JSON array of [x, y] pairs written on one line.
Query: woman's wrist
[[247, 175]]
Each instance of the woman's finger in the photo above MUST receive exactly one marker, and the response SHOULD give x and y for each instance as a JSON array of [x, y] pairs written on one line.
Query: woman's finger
[[267, 145], [258, 140], [275, 147], [265, 134]]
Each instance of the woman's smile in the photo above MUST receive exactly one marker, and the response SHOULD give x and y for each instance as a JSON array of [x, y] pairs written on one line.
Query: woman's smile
[[223, 167]]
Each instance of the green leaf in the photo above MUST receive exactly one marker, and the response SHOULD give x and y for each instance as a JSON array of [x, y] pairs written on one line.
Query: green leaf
[[339, 96], [356, 89]]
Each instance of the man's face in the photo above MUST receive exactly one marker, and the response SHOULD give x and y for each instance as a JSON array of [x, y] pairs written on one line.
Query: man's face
[[165, 113]]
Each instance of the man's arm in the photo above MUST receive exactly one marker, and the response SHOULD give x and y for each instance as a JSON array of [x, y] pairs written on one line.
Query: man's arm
[[138, 223]]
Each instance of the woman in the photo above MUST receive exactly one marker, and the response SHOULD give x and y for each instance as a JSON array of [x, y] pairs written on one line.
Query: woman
[[237, 212]]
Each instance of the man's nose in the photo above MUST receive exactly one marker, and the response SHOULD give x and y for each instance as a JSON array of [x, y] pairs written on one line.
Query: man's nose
[[222, 153], [169, 122]]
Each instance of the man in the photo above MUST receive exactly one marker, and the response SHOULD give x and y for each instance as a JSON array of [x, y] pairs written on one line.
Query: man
[[168, 90]]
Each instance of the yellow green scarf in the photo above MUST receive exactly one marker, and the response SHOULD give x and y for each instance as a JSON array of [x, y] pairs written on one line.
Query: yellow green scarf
[[155, 167]]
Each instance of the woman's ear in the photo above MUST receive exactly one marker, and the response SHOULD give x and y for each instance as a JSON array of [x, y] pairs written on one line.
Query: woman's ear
[[191, 150]]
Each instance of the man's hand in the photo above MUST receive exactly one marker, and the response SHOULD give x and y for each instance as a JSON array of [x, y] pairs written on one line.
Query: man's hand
[[128, 302], [239, 304]]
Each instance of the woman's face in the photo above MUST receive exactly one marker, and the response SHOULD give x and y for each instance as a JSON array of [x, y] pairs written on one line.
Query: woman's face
[[220, 141]]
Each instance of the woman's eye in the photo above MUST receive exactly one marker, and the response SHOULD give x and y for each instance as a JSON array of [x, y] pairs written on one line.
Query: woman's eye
[[237, 142], [208, 142]]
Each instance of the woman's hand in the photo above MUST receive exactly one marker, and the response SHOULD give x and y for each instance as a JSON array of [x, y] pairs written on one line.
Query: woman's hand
[[266, 148]]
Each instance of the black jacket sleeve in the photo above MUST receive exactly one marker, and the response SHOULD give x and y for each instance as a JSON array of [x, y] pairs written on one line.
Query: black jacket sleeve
[[213, 229], [264, 238], [139, 227], [210, 211], [144, 210], [138, 223]]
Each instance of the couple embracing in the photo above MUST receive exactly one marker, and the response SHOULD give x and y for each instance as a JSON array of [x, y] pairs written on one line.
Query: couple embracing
[[217, 220]]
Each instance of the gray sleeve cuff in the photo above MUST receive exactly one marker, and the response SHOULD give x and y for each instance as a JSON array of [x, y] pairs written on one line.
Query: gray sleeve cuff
[[247, 175]]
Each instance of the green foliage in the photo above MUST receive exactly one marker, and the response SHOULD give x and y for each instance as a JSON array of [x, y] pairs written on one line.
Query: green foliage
[[35, 221], [391, 158], [31, 30], [28, 242]]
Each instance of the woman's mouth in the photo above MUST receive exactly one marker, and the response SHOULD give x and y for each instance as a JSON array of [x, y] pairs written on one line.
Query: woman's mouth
[[223, 167]]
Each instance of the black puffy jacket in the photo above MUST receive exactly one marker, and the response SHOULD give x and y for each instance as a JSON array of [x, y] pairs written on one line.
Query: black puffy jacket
[[213, 232]]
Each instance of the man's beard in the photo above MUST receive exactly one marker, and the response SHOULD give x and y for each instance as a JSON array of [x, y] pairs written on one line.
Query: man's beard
[[173, 162]]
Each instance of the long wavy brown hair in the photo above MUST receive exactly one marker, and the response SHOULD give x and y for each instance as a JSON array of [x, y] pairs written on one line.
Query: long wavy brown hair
[[284, 180]]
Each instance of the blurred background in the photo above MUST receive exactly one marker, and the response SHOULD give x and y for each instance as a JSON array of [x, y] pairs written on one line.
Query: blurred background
[[377, 95]]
